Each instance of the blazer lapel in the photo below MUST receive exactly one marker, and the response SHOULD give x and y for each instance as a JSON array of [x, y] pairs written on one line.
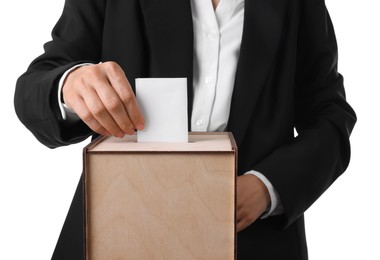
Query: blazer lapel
[[169, 28], [263, 22]]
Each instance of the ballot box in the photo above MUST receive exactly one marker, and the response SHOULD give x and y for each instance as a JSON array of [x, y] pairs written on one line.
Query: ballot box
[[172, 201]]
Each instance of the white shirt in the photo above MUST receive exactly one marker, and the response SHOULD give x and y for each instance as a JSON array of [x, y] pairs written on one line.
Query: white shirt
[[217, 40]]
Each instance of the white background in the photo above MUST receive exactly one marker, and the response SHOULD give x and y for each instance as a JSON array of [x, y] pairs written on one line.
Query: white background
[[37, 184]]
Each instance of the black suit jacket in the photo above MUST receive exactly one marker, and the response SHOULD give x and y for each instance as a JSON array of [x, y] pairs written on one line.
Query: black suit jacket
[[286, 78]]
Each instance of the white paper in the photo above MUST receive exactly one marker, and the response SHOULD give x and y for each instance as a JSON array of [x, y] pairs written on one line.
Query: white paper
[[163, 102]]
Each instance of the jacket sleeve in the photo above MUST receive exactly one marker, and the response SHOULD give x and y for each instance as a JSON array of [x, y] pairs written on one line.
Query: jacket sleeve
[[76, 38], [303, 169]]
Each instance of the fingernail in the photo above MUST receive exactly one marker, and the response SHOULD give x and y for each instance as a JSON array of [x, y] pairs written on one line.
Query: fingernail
[[140, 127], [130, 132]]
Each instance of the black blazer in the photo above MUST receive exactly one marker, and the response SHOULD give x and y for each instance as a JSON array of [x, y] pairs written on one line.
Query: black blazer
[[286, 78]]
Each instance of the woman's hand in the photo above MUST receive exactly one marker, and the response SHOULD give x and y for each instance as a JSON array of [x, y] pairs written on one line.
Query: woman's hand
[[103, 98]]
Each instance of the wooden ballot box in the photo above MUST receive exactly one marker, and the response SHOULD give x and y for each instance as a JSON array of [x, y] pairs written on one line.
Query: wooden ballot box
[[172, 201]]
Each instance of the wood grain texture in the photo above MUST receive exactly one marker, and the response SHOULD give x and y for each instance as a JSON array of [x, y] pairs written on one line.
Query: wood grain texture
[[160, 205]]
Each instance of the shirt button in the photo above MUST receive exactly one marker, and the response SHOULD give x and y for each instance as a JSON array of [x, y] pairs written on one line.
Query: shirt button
[[212, 35], [199, 122], [208, 80]]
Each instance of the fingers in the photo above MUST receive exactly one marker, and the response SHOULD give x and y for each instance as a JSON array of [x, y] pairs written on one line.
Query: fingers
[[98, 110], [124, 91], [241, 224], [103, 98], [242, 217], [87, 117], [245, 218], [251, 200], [109, 110]]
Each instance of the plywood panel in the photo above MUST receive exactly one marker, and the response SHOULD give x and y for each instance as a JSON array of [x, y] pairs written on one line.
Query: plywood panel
[[198, 142], [160, 206]]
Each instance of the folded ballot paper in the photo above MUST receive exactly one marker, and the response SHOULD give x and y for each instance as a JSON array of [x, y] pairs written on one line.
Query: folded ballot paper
[[163, 102]]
